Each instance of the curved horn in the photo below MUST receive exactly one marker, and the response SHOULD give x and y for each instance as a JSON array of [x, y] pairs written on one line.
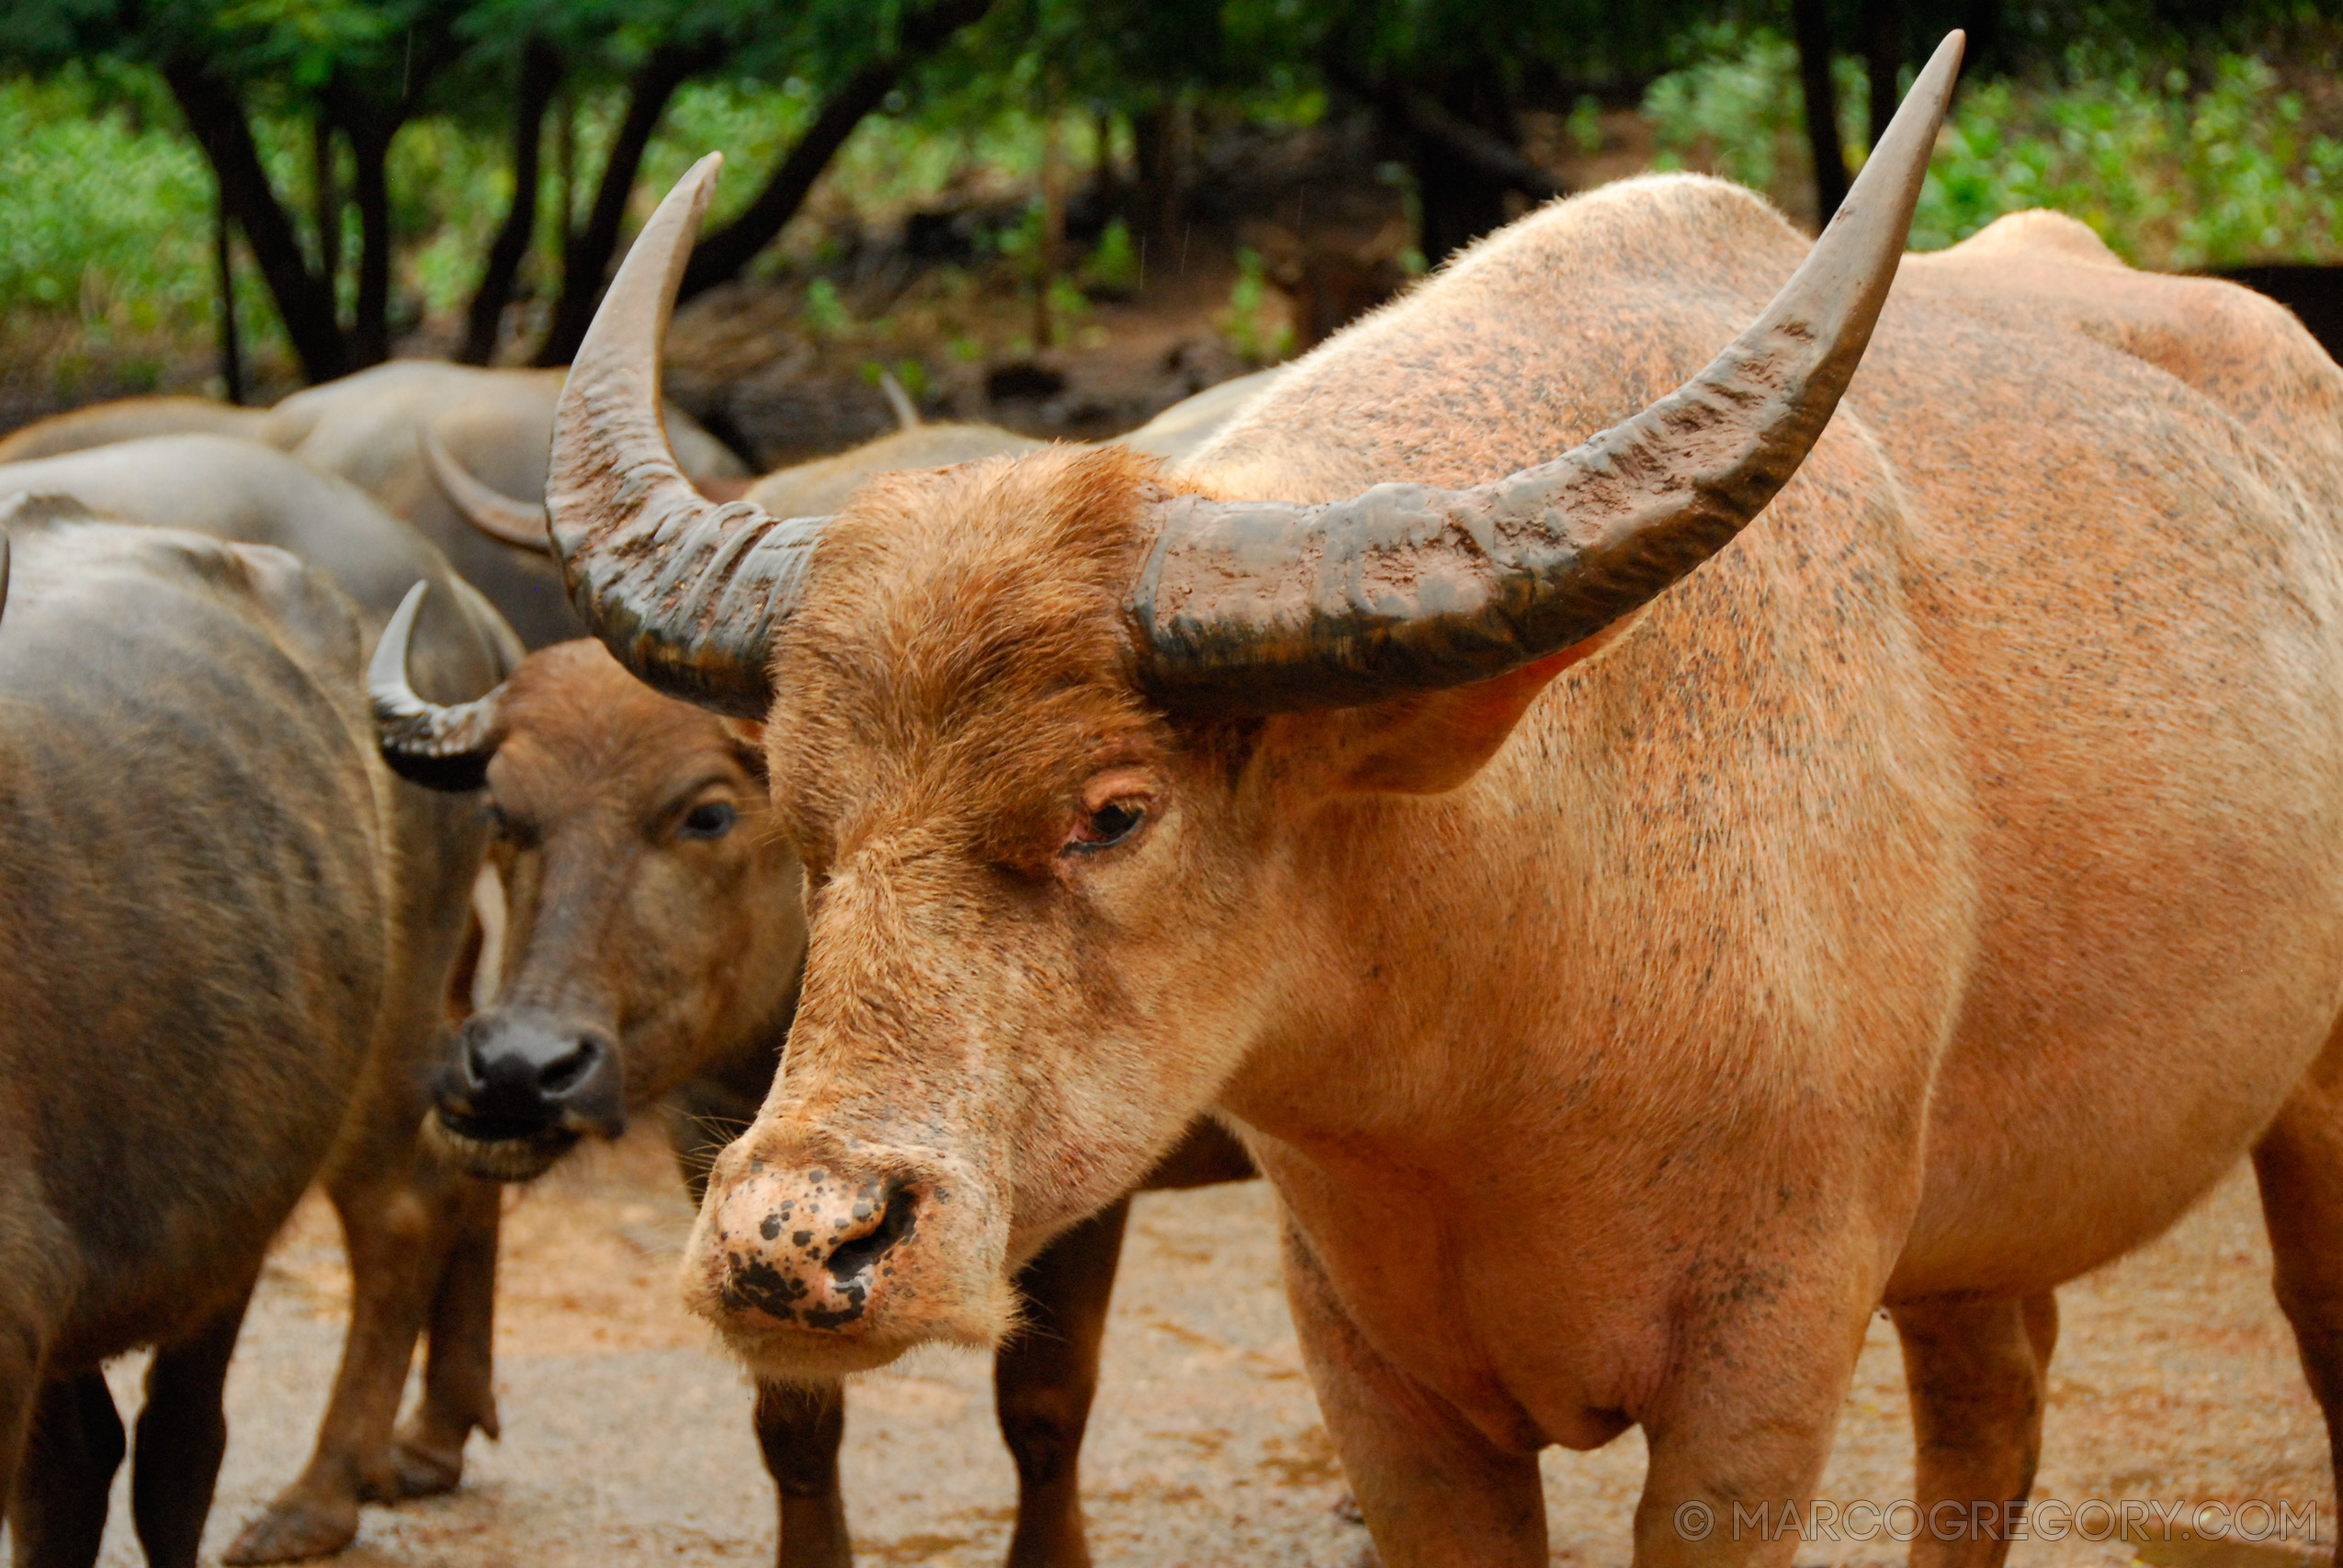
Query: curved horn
[[907, 412], [440, 747], [1261, 608], [685, 592], [491, 510]]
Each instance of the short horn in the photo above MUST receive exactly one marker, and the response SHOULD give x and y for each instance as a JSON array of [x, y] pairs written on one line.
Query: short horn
[[907, 412], [685, 593], [440, 747], [1263, 608], [492, 512]]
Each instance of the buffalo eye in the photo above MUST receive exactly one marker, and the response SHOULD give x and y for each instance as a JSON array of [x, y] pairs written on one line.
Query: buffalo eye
[[1110, 825], [711, 820]]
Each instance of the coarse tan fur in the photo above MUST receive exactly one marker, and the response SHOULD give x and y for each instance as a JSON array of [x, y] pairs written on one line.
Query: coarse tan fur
[[204, 948], [1922, 903], [676, 950]]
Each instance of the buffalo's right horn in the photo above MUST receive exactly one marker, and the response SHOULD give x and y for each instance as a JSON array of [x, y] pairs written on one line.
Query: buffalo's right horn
[[685, 593], [491, 510], [1262, 607], [440, 747]]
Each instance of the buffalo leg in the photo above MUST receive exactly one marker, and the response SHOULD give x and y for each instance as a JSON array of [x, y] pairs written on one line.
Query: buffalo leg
[[58, 1519], [458, 1391], [1043, 1381], [182, 1435], [1979, 1374], [798, 1428], [396, 1236], [1436, 1493], [2299, 1164]]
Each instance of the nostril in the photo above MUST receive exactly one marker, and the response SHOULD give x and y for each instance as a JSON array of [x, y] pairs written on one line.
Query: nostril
[[473, 1066], [895, 1222], [567, 1071]]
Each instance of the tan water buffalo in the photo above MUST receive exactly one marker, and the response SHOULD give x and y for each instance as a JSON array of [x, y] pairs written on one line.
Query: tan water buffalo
[[655, 938], [130, 419], [421, 1233], [223, 946], [368, 428], [1656, 870], [823, 484]]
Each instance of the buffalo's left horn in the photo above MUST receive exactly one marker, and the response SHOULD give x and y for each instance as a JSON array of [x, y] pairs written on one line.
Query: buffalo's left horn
[[440, 747], [1257, 608], [685, 591], [491, 510]]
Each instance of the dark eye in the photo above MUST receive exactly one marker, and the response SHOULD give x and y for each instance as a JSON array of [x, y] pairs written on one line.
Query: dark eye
[[1108, 826], [712, 820]]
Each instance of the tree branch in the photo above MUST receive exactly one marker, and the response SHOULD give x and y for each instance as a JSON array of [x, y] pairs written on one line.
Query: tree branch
[[305, 305], [719, 256], [588, 259], [1813, 21], [540, 77]]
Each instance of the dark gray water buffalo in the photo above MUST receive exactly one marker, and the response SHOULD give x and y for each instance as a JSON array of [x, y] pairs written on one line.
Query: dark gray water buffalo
[[223, 947], [367, 428], [421, 1233], [655, 936]]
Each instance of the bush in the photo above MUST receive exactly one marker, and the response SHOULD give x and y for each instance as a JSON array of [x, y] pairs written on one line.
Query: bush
[[2170, 179]]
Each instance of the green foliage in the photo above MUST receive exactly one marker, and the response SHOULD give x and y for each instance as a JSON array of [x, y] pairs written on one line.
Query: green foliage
[[1585, 124], [1114, 267], [1739, 103], [2168, 177], [1257, 333], [824, 311]]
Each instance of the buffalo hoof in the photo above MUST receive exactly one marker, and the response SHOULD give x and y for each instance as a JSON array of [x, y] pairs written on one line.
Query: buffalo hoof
[[295, 1527], [424, 1470]]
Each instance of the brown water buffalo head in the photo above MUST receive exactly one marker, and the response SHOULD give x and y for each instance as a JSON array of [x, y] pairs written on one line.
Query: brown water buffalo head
[[654, 924], [1055, 735]]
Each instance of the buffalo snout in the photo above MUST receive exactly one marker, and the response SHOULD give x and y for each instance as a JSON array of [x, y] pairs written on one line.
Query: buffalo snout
[[813, 1249], [816, 1266], [519, 1088]]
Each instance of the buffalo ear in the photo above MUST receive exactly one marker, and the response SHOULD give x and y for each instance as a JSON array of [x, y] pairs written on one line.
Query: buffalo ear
[[747, 737], [1430, 743]]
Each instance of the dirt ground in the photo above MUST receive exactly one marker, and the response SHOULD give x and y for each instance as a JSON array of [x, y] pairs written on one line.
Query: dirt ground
[[627, 1438]]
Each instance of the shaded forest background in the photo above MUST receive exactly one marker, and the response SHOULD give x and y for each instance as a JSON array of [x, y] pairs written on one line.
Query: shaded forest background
[[1057, 213]]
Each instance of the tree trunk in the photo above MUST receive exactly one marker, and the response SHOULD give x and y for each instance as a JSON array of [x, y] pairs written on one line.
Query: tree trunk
[[540, 75], [1457, 199], [1983, 54], [304, 303], [370, 192], [565, 169], [327, 205], [232, 354], [586, 261], [1813, 21], [719, 258], [1882, 61], [1048, 256]]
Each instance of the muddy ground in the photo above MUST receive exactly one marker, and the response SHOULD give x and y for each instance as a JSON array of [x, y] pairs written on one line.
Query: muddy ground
[[626, 1439]]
